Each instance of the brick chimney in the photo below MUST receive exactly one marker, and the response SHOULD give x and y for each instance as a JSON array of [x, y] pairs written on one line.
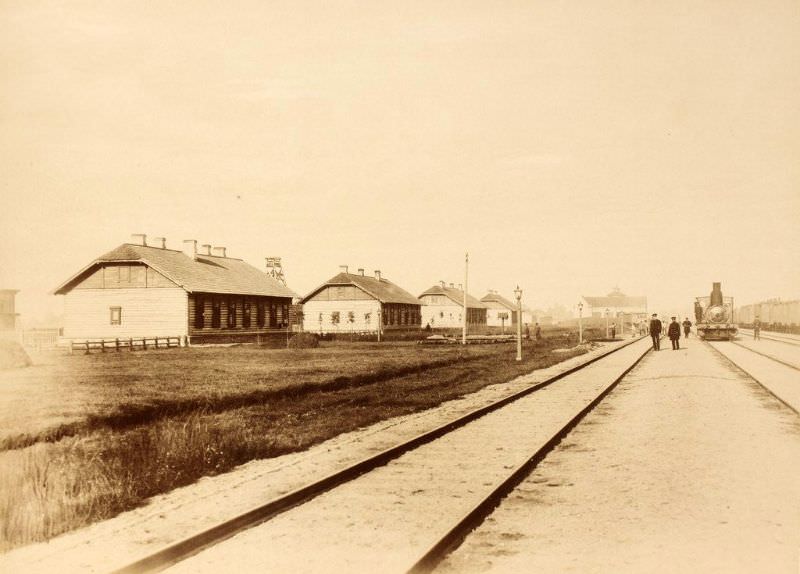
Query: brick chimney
[[378, 274], [344, 269], [190, 248], [205, 249], [219, 251], [452, 286], [442, 283], [160, 242], [361, 271], [139, 239]]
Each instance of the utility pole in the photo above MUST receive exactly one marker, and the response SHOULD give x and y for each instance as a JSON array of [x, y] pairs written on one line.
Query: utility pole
[[518, 295], [464, 315]]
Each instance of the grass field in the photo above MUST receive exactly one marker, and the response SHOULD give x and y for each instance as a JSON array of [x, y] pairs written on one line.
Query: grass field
[[87, 437]]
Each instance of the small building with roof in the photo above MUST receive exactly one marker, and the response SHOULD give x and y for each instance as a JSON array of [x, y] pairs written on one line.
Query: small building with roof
[[359, 303], [616, 304], [443, 307], [200, 295], [500, 311]]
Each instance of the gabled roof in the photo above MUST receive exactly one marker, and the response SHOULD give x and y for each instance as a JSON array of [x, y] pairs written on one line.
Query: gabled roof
[[497, 298], [616, 301], [381, 289], [206, 274], [456, 295]]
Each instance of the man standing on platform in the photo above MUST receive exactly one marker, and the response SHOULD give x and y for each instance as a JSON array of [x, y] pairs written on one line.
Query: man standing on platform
[[655, 332], [687, 325], [757, 328], [674, 333]]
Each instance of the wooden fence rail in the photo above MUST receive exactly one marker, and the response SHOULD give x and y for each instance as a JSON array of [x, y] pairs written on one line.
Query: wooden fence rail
[[130, 344]]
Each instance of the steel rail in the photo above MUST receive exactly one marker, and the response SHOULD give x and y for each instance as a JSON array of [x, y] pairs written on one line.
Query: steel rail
[[753, 377], [193, 544], [768, 337], [453, 538], [776, 359]]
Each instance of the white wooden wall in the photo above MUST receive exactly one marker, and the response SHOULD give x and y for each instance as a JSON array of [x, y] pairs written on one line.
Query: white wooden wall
[[493, 315], [442, 316], [312, 309], [145, 313]]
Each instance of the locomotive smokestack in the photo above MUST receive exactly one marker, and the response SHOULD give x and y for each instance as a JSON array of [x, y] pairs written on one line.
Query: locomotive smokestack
[[716, 294]]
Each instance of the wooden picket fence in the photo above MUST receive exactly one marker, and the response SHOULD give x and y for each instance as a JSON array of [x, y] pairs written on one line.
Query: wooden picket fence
[[130, 344]]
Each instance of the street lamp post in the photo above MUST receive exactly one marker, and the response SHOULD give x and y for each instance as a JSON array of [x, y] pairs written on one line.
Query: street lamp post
[[607, 312], [518, 295], [466, 277], [580, 322]]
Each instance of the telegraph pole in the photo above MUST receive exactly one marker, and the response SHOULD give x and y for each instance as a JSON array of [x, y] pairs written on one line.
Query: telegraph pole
[[464, 315]]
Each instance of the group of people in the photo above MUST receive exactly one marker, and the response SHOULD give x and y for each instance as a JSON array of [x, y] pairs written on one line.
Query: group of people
[[673, 331]]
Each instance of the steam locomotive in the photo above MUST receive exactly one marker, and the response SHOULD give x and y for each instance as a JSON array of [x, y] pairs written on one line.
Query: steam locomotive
[[714, 316]]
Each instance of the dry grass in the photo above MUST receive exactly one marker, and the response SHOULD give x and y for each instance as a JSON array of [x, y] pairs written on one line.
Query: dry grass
[[102, 469], [76, 394]]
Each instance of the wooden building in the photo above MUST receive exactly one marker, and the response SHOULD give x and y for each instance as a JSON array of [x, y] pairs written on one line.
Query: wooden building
[[499, 310], [202, 296], [615, 304], [358, 303], [443, 307]]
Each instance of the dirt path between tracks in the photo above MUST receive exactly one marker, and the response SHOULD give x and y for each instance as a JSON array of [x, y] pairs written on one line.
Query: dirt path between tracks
[[686, 467]]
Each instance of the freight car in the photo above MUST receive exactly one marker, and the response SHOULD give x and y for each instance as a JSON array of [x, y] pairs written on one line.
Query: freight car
[[774, 314], [714, 316]]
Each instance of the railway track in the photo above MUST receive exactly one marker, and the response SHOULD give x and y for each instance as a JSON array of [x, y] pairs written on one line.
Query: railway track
[[769, 336], [414, 466], [778, 376], [789, 364]]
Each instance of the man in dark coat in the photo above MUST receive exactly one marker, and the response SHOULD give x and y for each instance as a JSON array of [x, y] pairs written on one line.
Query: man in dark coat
[[687, 325], [655, 332], [674, 333]]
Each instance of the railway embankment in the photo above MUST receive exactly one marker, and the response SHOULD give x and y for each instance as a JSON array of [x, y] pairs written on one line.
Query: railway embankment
[[169, 517], [97, 435]]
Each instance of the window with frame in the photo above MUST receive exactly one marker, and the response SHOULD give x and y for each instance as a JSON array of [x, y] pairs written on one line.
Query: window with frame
[[231, 313], [335, 317], [260, 314], [199, 309], [246, 311], [216, 312], [116, 315]]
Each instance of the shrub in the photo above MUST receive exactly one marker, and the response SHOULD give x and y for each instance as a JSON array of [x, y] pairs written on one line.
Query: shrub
[[304, 341]]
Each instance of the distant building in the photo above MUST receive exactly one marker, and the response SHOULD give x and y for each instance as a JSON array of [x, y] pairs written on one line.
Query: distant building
[[616, 303], [141, 290], [529, 316], [443, 307], [358, 303], [499, 310], [8, 314]]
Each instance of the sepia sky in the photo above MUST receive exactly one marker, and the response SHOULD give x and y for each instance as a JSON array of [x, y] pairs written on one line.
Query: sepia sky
[[568, 146]]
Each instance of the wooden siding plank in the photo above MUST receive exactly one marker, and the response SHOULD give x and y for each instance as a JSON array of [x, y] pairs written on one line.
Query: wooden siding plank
[[145, 313]]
